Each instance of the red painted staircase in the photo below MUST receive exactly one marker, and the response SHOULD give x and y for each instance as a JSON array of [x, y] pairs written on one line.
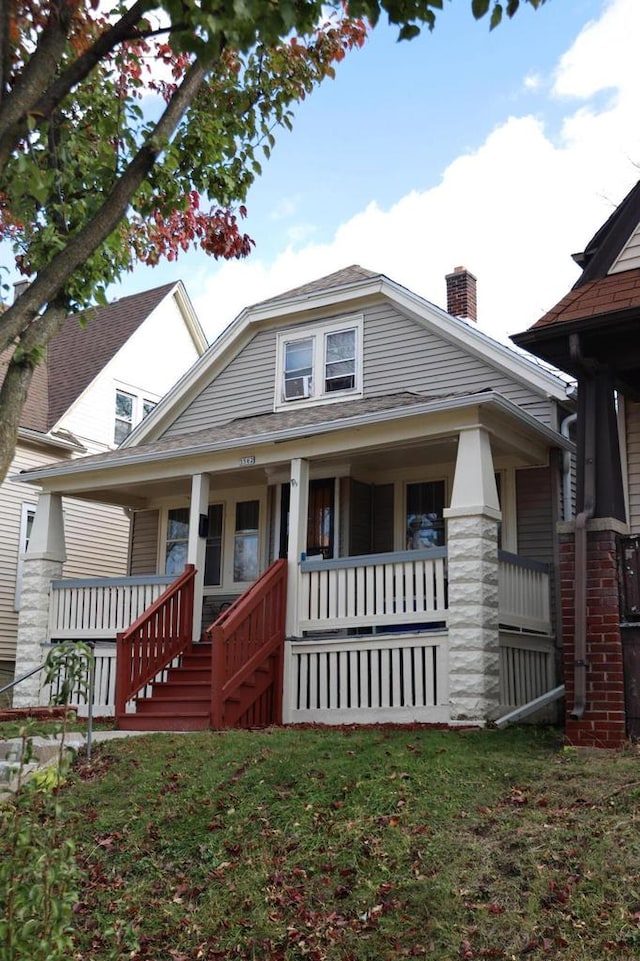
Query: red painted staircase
[[165, 682], [181, 702]]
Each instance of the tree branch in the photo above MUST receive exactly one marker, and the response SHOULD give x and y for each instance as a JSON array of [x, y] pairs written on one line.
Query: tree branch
[[52, 278], [37, 93]]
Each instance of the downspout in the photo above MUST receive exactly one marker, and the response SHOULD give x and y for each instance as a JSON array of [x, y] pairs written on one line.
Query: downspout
[[565, 430], [588, 509]]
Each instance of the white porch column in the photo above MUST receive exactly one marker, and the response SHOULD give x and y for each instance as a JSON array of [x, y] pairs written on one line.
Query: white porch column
[[42, 563], [196, 544], [298, 511], [472, 549]]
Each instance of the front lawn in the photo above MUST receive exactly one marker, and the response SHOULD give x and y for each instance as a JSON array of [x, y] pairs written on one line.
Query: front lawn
[[355, 845]]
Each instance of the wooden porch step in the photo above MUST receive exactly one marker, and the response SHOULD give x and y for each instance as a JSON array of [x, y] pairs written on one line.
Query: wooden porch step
[[201, 675], [197, 721], [173, 704]]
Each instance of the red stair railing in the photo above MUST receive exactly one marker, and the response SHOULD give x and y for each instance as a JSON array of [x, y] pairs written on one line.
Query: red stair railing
[[248, 638], [160, 634]]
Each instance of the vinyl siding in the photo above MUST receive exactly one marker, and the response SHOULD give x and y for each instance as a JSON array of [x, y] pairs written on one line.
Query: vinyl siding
[[535, 496], [144, 542], [633, 461], [96, 538], [244, 388], [629, 256], [399, 354], [12, 497]]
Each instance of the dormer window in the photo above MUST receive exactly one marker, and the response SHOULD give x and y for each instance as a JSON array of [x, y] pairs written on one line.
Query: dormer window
[[319, 364]]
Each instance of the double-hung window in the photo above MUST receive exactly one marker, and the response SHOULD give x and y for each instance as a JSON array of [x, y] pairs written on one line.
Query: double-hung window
[[26, 523], [319, 364], [130, 409]]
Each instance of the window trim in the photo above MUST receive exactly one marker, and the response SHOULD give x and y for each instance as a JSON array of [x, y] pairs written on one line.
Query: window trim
[[318, 334], [139, 399]]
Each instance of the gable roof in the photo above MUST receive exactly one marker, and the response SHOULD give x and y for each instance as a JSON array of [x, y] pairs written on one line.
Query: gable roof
[[88, 341], [603, 306], [346, 290], [78, 353], [606, 244], [339, 278]]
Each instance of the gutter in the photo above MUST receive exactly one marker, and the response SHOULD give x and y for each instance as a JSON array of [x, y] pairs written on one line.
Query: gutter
[[580, 562], [49, 440], [565, 428]]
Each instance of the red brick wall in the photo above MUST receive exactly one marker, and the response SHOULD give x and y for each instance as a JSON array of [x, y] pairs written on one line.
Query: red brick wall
[[603, 723]]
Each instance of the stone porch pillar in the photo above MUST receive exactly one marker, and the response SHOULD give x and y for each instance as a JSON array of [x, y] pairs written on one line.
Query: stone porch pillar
[[298, 511], [42, 563], [472, 549], [197, 543]]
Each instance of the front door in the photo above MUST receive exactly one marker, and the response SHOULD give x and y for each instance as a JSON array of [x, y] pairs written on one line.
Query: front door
[[320, 518]]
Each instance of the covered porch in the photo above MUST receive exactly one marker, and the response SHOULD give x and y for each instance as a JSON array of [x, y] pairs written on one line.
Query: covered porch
[[400, 604]]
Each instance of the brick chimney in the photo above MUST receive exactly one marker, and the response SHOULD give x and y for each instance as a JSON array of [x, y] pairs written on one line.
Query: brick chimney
[[461, 294]]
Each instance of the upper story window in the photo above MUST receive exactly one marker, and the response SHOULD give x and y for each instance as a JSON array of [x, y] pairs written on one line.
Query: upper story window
[[130, 409], [319, 364]]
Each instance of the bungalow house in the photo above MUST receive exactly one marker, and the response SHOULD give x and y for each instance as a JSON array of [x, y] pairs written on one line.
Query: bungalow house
[[98, 381], [593, 333], [354, 496]]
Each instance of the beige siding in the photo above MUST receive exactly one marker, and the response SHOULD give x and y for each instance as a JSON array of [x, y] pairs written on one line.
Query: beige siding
[[97, 539], [399, 354], [12, 497], [144, 543], [633, 461], [96, 535], [629, 256]]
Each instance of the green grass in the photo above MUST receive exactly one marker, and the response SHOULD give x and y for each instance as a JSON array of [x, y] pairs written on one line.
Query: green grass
[[355, 845]]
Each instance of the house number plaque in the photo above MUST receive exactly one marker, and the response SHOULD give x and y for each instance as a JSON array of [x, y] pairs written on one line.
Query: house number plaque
[[248, 460]]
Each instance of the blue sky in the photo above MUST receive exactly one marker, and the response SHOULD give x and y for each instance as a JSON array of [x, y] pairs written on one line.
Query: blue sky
[[501, 151]]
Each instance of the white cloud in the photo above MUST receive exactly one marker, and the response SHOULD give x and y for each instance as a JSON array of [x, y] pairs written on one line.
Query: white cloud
[[532, 81], [512, 211]]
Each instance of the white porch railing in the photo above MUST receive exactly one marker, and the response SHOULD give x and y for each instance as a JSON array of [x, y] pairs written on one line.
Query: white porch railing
[[527, 668], [365, 680], [90, 609], [373, 590], [523, 593]]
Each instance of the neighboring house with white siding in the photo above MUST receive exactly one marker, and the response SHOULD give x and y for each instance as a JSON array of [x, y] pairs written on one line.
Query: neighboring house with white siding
[[102, 373], [393, 467]]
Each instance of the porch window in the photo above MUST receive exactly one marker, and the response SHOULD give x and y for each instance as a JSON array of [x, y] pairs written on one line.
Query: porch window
[[245, 548], [425, 506], [317, 364], [213, 549], [177, 541]]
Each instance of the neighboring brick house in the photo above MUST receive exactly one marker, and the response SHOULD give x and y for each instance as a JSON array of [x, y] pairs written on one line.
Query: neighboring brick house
[[99, 379], [382, 459], [593, 333]]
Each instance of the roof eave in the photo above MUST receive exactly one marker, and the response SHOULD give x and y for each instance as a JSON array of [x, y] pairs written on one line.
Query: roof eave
[[137, 457]]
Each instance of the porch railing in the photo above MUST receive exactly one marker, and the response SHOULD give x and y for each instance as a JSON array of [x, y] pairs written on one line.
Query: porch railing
[[247, 656], [152, 642], [374, 590], [523, 593], [368, 680], [97, 608], [527, 668]]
